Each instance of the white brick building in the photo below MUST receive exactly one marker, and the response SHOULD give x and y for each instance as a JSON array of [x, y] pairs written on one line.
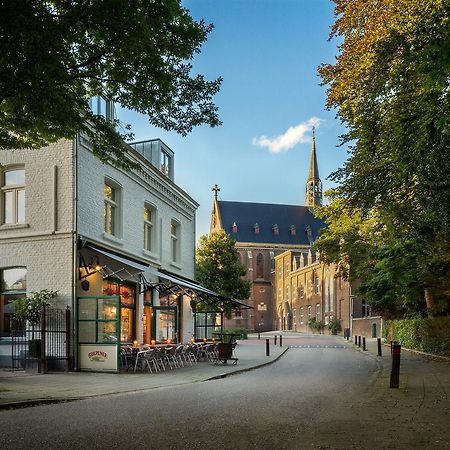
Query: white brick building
[[98, 235]]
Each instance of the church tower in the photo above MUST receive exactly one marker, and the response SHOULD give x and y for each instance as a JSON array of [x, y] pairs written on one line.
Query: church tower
[[313, 184]]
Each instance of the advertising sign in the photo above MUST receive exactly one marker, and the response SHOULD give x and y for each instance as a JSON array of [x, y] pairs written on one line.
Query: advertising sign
[[98, 357]]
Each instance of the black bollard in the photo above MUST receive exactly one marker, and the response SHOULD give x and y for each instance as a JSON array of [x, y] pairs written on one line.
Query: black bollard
[[267, 347], [259, 335], [356, 340], [379, 346], [275, 340], [359, 341], [395, 372], [281, 340], [364, 344]]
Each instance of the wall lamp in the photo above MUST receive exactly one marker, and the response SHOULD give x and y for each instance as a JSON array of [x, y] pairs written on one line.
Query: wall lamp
[[92, 268]]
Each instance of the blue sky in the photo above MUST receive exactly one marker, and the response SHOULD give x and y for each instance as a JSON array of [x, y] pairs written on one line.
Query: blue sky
[[267, 52]]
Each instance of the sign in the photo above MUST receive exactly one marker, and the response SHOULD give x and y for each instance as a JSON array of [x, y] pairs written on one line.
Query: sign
[[98, 357]]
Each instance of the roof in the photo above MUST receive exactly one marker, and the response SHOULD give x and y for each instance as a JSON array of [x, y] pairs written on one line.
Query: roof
[[245, 215]]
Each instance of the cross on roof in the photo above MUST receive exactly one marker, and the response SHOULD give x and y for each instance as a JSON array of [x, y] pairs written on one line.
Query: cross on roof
[[216, 189]]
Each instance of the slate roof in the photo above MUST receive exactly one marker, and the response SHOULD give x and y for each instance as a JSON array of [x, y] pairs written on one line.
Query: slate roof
[[266, 215]]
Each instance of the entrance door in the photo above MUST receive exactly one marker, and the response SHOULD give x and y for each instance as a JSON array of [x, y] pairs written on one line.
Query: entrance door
[[374, 330]]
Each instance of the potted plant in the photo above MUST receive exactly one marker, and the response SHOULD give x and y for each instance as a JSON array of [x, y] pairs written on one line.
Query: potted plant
[[316, 325], [335, 326], [29, 309]]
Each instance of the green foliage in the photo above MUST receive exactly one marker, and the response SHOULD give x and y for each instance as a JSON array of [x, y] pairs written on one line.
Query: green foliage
[[241, 332], [55, 55], [390, 88], [316, 325], [218, 267], [335, 326], [29, 308], [431, 335]]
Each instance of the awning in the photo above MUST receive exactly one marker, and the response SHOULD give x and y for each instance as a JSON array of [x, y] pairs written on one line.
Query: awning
[[124, 260]]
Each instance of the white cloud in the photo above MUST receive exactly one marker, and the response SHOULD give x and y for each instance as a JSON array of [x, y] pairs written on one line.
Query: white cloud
[[291, 137]]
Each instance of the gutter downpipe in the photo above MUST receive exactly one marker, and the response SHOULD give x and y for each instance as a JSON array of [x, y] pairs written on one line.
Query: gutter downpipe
[[74, 256]]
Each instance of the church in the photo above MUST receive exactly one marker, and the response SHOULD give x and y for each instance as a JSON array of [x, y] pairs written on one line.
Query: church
[[263, 231]]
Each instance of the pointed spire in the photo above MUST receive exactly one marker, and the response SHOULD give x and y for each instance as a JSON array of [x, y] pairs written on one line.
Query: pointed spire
[[313, 168], [313, 184]]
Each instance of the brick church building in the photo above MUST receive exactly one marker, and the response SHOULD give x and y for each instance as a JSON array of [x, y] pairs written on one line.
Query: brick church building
[[262, 231]]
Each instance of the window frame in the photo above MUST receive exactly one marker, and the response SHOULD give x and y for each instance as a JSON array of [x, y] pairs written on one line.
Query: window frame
[[15, 190], [116, 206], [150, 228], [175, 239], [5, 293]]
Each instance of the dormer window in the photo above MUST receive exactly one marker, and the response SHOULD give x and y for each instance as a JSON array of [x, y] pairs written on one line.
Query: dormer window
[[234, 227], [292, 230], [256, 228], [308, 231], [276, 230], [102, 106]]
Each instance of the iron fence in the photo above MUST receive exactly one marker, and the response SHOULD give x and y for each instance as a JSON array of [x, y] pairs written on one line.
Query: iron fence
[[43, 346]]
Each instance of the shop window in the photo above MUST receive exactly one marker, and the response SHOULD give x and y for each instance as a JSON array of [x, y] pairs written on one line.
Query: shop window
[[13, 285], [175, 241], [260, 266], [13, 196], [127, 294], [111, 194], [149, 228]]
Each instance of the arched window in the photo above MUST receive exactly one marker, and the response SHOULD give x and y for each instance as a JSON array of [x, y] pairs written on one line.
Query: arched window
[[260, 266]]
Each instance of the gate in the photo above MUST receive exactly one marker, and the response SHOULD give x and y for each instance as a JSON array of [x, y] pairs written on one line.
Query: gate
[[44, 346]]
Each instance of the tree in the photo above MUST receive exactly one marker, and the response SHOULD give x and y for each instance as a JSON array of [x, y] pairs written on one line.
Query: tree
[[56, 55], [218, 267], [390, 86]]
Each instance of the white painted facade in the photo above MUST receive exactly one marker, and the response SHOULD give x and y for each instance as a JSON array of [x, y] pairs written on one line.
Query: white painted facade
[[64, 203]]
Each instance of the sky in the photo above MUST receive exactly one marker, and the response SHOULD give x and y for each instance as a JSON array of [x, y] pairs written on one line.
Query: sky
[[267, 52]]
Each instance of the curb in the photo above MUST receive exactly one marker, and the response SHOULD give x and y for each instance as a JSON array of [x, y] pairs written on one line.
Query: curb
[[225, 375]]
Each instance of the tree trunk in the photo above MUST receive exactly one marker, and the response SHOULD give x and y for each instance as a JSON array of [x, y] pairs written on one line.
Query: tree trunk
[[429, 299]]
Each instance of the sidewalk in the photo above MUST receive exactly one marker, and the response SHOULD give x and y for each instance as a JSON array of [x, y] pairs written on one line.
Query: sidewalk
[[19, 389]]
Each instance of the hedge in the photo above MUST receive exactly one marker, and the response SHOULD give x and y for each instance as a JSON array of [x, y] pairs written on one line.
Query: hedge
[[431, 335]]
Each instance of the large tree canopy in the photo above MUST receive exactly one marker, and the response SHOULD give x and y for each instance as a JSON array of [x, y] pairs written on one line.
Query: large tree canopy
[[218, 267], [391, 88], [55, 55]]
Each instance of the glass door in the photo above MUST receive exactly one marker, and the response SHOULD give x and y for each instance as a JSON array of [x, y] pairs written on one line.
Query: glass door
[[165, 324]]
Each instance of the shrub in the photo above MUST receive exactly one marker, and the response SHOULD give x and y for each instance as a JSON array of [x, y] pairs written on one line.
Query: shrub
[[29, 308], [241, 332], [431, 335], [316, 325], [335, 326]]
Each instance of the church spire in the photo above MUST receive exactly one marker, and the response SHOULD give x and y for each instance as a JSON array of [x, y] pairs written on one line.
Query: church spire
[[313, 184]]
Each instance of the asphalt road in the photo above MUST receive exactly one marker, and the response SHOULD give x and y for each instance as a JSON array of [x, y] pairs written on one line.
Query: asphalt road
[[283, 405]]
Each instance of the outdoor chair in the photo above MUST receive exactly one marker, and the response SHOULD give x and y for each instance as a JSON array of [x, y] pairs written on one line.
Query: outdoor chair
[[179, 355], [170, 357], [150, 358]]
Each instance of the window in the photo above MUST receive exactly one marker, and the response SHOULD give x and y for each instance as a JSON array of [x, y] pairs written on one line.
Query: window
[[13, 196], [280, 272], [256, 228], [260, 266], [301, 291], [175, 241], [287, 268], [276, 230], [309, 312], [287, 293], [110, 209], [238, 314], [317, 285], [365, 309], [327, 294], [318, 312], [13, 285], [100, 106], [165, 163], [301, 315], [149, 227]]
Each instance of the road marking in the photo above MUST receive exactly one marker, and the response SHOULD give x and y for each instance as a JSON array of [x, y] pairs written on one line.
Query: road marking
[[318, 346]]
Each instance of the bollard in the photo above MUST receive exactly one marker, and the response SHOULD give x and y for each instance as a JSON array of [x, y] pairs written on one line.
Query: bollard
[[267, 347], [356, 340], [395, 372], [275, 340], [281, 340], [259, 335], [379, 346], [359, 341], [392, 345], [364, 344]]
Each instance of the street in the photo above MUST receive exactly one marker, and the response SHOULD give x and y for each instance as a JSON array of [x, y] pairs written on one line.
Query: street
[[312, 397]]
